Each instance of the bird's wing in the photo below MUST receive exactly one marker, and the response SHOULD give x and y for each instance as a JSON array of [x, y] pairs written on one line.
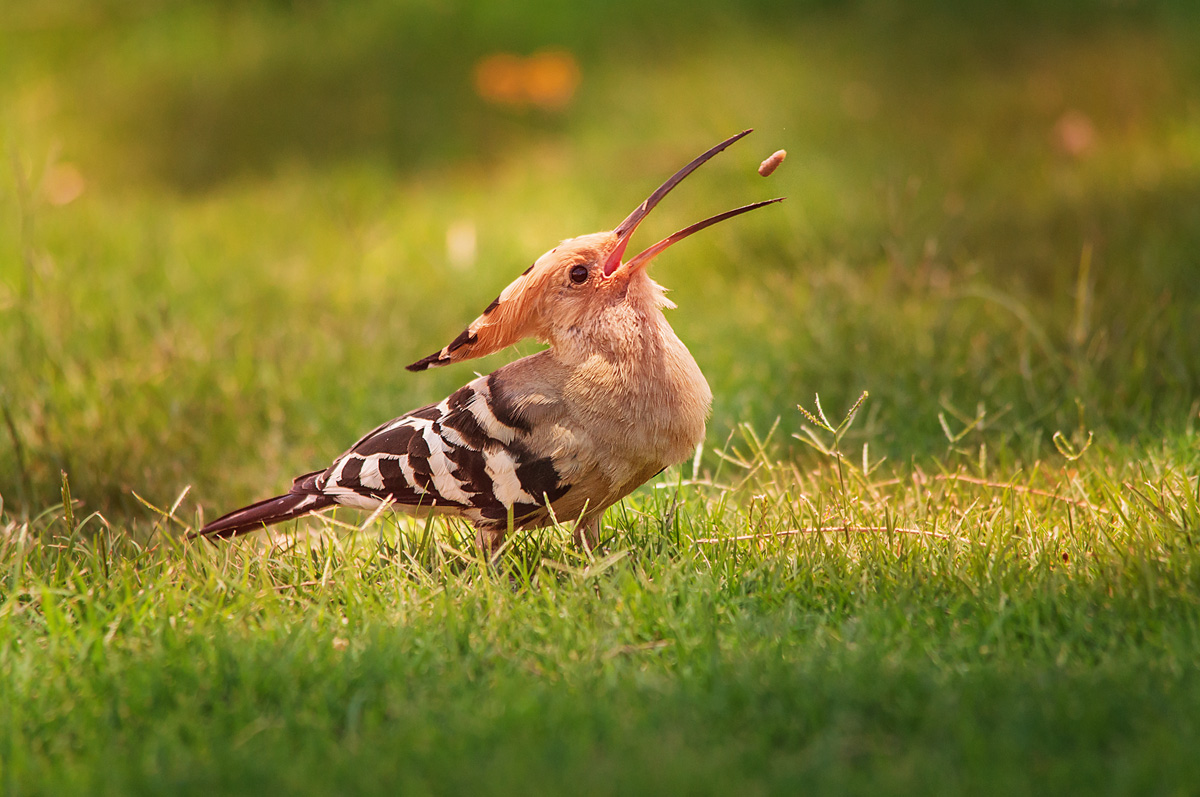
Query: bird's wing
[[468, 454]]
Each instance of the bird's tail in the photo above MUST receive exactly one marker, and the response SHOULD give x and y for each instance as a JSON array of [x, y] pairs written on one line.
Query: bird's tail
[[265, 513]]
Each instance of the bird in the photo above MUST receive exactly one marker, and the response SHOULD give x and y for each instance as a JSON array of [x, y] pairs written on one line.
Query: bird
[[557, 436]]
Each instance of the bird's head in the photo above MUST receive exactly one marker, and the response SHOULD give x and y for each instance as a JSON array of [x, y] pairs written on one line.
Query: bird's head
[[573, 288]]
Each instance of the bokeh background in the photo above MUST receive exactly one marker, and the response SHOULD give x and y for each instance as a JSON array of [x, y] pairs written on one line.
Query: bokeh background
[[226, 226]]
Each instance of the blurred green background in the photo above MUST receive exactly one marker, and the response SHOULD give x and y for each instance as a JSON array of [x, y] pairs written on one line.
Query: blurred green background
[[225, 227]]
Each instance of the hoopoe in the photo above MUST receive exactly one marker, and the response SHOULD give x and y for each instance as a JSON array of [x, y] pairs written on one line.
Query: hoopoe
[[561, 434]]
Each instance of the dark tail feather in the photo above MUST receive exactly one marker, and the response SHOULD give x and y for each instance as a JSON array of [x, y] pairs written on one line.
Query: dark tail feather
[[264, 513]]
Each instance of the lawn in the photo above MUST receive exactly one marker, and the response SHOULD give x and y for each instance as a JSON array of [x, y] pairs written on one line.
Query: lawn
[[225, 229]]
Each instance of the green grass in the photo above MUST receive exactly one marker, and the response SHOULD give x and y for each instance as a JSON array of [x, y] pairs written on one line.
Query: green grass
[[965, 596], [1036, 634]]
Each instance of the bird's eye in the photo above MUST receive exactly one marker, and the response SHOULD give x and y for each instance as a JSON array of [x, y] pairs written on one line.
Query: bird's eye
[[579, 274]]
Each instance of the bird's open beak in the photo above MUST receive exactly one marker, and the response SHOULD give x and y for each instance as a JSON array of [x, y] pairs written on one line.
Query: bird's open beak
[[625, 229]]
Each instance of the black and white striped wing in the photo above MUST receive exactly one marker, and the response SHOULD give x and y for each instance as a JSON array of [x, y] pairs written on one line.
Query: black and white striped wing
[[465, 455]]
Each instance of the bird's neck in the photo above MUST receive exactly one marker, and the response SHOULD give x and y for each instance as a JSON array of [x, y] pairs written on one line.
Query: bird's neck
[[637, 377]]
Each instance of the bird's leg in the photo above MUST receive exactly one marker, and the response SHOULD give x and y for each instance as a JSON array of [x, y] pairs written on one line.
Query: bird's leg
[[490, 541], [587, 534]]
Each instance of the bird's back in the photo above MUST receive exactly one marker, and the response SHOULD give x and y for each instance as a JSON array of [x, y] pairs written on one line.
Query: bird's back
[[579, 435]]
